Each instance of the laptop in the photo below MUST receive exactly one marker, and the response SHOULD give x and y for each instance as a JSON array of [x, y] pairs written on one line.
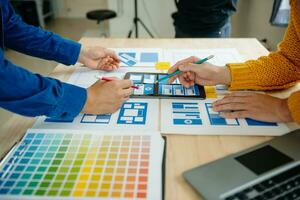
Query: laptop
[[268, 171]]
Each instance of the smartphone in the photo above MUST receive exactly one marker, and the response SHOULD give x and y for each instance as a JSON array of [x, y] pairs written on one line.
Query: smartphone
[[148, 88]]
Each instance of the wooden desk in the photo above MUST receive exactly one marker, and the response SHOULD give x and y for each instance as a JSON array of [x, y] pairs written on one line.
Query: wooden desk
[[183, 152]]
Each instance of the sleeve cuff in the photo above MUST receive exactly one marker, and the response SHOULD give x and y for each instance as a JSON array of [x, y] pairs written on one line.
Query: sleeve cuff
[[68, 52], [294, 106], [241, 77], [71, 103]]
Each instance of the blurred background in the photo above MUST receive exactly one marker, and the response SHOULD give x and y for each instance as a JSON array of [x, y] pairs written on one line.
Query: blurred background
[[73, 19]]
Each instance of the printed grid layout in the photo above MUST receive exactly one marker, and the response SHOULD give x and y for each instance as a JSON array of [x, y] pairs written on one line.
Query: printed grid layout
[[131, 113], [134, 113], [178, 90], [185, 113], [216, 119], [76, 165], [130, 58], [96, 119]]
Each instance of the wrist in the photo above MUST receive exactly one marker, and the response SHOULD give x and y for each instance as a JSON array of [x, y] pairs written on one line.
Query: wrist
[[284, 111], [224, 76], [88, 102], [83, 55]]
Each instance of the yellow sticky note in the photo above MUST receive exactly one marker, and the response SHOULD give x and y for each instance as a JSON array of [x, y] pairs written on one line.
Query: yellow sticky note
[[163, 66], [210, 92]]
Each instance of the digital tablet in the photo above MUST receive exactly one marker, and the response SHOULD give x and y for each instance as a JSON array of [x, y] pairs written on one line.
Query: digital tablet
[[149, 88]]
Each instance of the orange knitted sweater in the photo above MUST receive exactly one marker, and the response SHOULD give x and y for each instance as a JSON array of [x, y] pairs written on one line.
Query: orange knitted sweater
[[278, 70]]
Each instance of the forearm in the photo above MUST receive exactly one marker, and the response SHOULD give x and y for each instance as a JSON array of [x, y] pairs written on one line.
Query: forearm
[[36, 42], [33, 95], [267, 73], [45, 45]]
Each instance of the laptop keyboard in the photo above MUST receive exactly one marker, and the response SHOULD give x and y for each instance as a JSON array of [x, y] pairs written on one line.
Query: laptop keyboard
[[283, 186]]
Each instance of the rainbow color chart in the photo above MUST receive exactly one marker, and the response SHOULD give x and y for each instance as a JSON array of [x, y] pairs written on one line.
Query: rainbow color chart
[[68, 164]]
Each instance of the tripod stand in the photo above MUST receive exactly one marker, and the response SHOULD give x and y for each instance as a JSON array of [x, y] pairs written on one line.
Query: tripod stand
[[136, 21]]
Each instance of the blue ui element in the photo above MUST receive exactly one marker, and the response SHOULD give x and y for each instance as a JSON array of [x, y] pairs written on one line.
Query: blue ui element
[[191, 91], [134, 113], [149, 78], [96, 119], [136, 78], [148, 89], [144, 89], [149, 57], [177, 90], [185, 113], [215, 119], [252, 122], [165, 89], [160, 76], [128, 58]]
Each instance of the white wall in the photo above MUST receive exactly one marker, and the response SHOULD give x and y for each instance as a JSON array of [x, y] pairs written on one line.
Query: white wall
[[156, 14], [252, 20], [77, 8]]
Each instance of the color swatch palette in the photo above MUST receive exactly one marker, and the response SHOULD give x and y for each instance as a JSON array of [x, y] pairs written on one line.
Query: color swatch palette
[[78, 165]]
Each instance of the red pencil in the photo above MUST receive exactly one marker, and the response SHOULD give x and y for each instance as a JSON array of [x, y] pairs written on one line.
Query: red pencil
[[109, 79]]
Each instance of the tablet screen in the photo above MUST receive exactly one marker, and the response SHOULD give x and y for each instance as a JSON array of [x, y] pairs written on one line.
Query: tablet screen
[[148, 86]]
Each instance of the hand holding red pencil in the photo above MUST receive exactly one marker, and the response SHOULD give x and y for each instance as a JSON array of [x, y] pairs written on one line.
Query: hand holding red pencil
[[107, 95], [110, 79]]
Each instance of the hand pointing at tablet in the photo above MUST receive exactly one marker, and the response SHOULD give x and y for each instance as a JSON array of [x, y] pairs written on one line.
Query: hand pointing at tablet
[[202, 74]]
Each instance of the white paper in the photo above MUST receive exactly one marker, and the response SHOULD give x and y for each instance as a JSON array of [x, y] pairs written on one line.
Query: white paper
[[222, 56], [85, 77], [142, 57], [138, 56], [135, 114], [195, 117]]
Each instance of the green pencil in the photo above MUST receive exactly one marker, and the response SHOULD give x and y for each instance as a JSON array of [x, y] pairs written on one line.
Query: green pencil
[[178, 71]]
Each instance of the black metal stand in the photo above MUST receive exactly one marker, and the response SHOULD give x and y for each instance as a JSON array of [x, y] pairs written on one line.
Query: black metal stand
[[136, 21]]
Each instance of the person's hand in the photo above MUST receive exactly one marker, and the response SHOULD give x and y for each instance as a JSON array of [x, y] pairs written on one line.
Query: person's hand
[[204, 74], [99, 58], [107, 97], [252, 105]]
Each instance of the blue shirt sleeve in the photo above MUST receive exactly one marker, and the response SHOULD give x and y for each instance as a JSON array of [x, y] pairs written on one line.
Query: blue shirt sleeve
[[31, 94], [36, 42]]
